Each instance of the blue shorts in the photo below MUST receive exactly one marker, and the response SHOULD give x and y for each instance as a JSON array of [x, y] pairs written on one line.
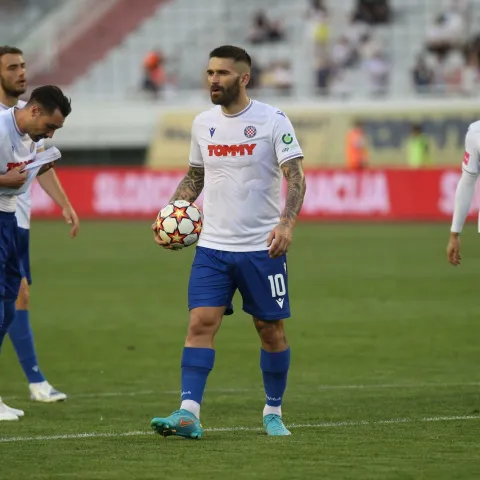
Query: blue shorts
[[24, 253], [261, 280], [10, 276]]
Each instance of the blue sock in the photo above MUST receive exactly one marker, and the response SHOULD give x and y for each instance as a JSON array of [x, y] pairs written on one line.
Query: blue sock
[[7, 317], [196, 365], [275, 371], [21, 336]]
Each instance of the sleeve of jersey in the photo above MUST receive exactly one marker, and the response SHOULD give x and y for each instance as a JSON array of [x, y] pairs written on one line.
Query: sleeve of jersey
[[196, 159], [466, 186], [286, 143]]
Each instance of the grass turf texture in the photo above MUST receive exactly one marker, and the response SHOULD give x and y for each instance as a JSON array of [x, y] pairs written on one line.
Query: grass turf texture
[[385, 356]]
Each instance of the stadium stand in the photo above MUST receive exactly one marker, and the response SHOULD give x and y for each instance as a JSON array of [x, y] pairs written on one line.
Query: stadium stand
[[322, 47]]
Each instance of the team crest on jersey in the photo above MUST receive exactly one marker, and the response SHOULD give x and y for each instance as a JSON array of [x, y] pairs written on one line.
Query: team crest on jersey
[[250, 132]]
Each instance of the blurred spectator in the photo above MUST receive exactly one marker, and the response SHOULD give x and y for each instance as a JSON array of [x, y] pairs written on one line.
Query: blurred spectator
[[454, 68], [373, 12], [265, 30], [418, 148], [316, 7], [255, 76], [472, 49], [470, 75], [317, 17], [448, 72], [342, 53], [422, 75], [153, 73], [446, 33], [279, 76], [325, 71], [368, 46], [378, 73], [357, 30], [356, 147]]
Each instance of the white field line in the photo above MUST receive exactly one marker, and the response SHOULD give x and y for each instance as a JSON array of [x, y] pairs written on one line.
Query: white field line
[[393, 421], [245, 390]]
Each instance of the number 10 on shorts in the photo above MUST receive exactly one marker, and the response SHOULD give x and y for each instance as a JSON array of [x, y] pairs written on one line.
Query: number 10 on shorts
[[277, 284]]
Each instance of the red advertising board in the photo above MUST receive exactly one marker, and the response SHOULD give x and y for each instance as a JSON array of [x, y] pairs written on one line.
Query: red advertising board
[[391, 194]]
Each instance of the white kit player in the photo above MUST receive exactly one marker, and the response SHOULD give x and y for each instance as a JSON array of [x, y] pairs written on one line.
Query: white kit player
[[239, 150], [20, 129], [465, 191], [12, 85]]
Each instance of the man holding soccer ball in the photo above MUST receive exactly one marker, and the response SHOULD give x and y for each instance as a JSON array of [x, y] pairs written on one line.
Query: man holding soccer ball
[[239, 150]]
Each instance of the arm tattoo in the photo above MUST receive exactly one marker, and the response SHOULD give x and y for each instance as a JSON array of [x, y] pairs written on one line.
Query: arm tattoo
[[191, 186], [296, 187]]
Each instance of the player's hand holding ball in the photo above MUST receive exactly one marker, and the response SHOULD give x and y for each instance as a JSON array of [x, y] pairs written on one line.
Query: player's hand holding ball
[[178, 225], [279, 240]]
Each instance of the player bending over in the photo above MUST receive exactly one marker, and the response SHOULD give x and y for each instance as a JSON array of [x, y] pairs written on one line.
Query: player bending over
[[239, 150], [465, 191], [13, 83], [20, 129]]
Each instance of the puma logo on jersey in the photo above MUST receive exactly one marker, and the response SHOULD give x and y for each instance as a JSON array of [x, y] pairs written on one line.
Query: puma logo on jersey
[[231, 150]]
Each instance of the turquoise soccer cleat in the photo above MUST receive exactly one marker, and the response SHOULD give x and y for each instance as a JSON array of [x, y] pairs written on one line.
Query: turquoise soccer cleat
[[181, 422], [274, 426]]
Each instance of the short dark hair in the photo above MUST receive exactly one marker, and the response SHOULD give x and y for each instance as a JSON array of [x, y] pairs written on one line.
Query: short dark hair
[[50, 98], [417, 127], [7, 49], [237, 54]]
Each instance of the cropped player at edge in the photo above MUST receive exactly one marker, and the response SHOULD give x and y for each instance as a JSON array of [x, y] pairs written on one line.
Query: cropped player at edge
[[465, 191], [20, 129], [13, 84], [239, 150]]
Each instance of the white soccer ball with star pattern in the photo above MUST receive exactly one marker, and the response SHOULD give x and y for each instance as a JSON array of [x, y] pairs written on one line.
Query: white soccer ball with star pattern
[[179, 224]]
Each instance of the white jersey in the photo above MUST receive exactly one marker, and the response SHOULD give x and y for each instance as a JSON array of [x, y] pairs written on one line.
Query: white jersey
[[471, 158], [15, 149], [467, 183], [241, 155], [24, 201]]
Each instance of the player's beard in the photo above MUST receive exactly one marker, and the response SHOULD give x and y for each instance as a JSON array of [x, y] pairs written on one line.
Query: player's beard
[[10, 90], [228, 95]]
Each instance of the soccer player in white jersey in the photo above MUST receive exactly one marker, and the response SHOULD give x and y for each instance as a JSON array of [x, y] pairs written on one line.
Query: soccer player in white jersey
[[239, 150], [465, 191], [20, 129], [13, 83]]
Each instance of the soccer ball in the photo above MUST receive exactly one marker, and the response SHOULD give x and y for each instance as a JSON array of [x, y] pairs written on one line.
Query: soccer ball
[[179, 224]]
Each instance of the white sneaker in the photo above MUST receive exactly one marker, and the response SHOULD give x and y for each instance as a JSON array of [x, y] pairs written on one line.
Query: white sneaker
[[15, 411], [44, 392], [6, 413]]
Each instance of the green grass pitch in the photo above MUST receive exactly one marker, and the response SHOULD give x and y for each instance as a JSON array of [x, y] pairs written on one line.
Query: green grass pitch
[[385, 377]]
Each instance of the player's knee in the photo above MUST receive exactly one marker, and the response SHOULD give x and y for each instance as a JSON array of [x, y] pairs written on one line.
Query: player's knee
[[203, 322], [23, 299], [271, 333]]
